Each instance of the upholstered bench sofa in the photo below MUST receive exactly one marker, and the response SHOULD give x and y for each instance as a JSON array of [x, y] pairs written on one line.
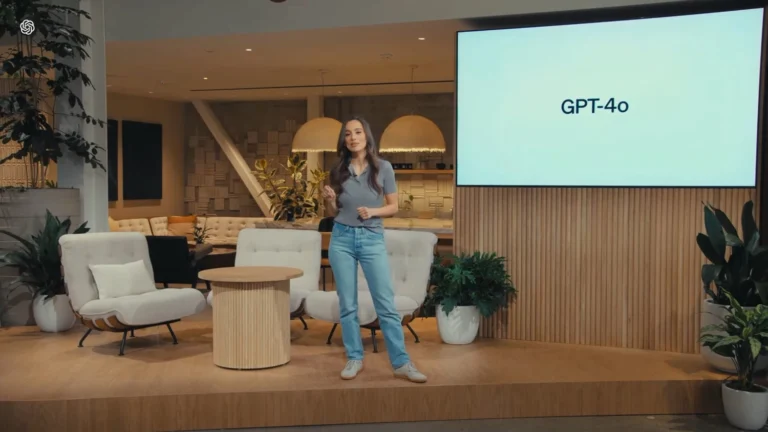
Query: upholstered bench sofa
[[220, 230], [130, 225]]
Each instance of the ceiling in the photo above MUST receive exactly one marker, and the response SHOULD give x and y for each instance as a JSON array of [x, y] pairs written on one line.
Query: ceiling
[[286, 65]]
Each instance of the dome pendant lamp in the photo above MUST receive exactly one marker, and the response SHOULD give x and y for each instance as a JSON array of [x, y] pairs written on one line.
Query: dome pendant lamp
[[320, 134], [412, 133]]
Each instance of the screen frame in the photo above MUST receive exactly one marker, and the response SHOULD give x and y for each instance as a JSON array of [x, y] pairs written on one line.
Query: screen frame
[[615, 14]]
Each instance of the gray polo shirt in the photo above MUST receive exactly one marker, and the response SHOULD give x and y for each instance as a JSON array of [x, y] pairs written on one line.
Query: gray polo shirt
[[358, 193]]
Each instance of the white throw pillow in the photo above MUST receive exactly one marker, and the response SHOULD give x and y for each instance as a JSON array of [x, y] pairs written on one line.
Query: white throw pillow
[[120, 280]]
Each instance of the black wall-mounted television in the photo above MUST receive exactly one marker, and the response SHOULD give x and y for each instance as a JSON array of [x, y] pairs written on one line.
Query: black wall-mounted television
[[142, 160]]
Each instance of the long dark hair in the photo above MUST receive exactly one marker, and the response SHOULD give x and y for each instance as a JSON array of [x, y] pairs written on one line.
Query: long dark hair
[[340, 172]]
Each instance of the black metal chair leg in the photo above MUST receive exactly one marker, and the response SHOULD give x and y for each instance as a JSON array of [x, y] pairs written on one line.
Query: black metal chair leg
[[173, 335], [194, 284], [87, 332], [413, 332], [373, 337], [165, 284], [303, 322], [333, 329], [208, 285], [323, 270], [122, 344], [132, 335]]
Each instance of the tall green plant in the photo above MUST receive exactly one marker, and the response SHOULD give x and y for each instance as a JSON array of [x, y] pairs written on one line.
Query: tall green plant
[[38, 64], [38, 261], [743, 273], [743, 336], [479, 279], [298, 199]]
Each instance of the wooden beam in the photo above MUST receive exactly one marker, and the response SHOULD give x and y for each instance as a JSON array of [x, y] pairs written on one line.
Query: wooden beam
[[235, 158]]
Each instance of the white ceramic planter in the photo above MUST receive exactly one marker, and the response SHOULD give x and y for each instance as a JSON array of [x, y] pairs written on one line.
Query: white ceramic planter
[[460, 327], [713, 314], [53, 315], [745, 410], [23, 213]]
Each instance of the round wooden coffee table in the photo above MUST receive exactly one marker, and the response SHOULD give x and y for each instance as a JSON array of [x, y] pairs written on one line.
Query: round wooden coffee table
[[251, 315]]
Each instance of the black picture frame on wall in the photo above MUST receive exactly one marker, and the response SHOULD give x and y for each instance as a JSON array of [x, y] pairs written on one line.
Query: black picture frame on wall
[[142, 160], [112, 135]]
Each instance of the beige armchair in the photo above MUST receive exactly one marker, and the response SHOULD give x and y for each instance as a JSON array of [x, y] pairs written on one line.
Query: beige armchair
[[283, 247], [111, 286], [411, 254]]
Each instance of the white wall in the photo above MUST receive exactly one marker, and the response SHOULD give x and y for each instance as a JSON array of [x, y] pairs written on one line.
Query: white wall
[[159, 19]]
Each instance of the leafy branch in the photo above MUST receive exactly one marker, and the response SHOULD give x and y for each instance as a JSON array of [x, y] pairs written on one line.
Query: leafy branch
[[298, 199], [743, 337], [40, 67]]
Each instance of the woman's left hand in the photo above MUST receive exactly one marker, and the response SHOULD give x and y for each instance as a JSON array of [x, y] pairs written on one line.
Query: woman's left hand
[[365, 212]]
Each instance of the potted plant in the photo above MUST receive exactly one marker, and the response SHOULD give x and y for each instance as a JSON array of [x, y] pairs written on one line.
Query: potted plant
[[39, 266], [464, 287], [743, 273], [200, 233], [298, 199], [742, 337], [41, 79]]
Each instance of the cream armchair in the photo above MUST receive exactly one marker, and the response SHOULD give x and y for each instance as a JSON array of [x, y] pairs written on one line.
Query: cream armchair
[[411, 254], [111, 287], [283, 247]]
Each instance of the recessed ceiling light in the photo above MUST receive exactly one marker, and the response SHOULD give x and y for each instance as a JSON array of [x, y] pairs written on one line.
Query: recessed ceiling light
[[205, 78], [422, 38], [151, 92], [248, 49]]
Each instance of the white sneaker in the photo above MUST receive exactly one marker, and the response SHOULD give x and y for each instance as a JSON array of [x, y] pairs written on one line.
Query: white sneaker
[[409, 372], [351, 370]]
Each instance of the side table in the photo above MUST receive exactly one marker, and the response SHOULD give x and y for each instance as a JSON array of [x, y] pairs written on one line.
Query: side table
[[251, 315]]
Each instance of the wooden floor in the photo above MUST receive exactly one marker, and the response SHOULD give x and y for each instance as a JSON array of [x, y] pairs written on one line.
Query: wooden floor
[[48, 383]]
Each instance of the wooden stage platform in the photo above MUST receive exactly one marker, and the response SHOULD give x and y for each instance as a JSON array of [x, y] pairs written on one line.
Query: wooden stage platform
[[48, 383]]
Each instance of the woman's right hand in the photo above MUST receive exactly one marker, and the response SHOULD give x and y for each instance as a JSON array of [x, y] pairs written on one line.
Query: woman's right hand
[[329, 194]]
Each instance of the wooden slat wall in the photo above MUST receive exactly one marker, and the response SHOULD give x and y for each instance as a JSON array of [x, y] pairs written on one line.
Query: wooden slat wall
[[609, 267]]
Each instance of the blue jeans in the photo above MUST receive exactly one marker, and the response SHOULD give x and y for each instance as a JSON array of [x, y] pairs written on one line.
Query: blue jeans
[[350, 245]]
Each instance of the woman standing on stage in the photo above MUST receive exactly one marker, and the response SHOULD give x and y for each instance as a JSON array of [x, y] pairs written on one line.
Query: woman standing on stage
[[360, 182]]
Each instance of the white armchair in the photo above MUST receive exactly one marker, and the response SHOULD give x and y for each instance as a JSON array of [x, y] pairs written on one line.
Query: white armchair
[[111, 287], [411, 254], [283, 247]]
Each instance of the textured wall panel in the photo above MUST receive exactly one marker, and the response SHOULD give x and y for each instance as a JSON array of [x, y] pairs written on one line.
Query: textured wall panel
[[610, 267]]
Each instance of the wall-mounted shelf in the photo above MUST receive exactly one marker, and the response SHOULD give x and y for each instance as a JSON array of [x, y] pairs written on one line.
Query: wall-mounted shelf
[[424, 171]]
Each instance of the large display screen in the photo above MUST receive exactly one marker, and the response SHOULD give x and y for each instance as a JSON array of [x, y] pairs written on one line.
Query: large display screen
[[654, 102]]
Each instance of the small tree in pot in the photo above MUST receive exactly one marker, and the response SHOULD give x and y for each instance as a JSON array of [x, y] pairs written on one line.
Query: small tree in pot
[[742, 337], [39, 266], [742, 274], [464, 287]]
